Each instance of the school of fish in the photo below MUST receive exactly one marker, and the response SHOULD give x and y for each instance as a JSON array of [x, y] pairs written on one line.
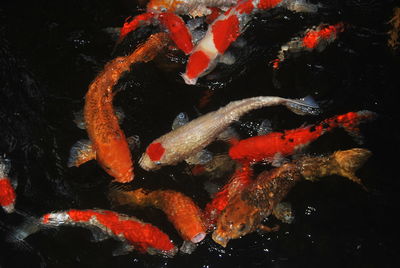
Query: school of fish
[[247, 198]]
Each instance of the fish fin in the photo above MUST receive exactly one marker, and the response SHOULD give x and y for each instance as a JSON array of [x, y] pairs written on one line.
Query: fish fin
[[300, 6], [283, 211], [278, 160], [19, 233], [349, 161], [200, 158], [229, 135], [211, 188], [79, 119], [81, 152], [5, 166], [119, 113], [266, 229], [264, 128], [303, 106], [133, 142], [180, 120], [227, 58], [352, 127], [123, 249], [188, 247], [97, 235]]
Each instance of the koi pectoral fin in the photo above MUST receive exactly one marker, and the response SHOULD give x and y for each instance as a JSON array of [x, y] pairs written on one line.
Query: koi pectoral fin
[[267, 229], [123, 249], [81, 152]]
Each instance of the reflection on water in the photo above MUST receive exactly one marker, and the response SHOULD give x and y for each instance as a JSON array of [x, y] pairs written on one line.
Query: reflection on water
[[49, 53]]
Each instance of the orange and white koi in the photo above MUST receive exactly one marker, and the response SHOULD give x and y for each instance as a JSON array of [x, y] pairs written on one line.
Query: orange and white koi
[[316, 38], [273, 145], [108, 144], [7, 192], [246, 210], [181, 210], [134, 233], [189, 139], [225, 30]]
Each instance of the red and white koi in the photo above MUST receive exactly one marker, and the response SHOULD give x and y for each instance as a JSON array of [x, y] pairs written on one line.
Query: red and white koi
[[134, 233], [7, 192], [316, 38], [225, 30], [189, 139], [279, 144]]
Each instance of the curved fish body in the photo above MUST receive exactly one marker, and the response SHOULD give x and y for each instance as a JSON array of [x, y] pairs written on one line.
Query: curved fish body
[[108, 144], [7, 192], [279, 144], [192, 137], [246, 210], [316, 38], [224, 31], [181, 211], [133, 233], [238, 181]]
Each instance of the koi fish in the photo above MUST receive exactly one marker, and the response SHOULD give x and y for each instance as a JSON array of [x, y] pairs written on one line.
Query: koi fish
[[316, 38], [7, 192], [224, 31], [192, 137], [246, 210], [108, 144], [238, 181], [274, 145], [133, 233], [181, 211]]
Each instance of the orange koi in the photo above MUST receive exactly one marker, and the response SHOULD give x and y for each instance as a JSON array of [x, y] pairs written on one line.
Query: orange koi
[[7, 192], [181, 211], [271, 146], [108, 144], [246, 210], [133, 233]]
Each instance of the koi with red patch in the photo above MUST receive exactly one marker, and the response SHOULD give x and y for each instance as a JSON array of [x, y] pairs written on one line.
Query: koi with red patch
[[108, 144], [189, 139], [316, 38], [7, 192], [238, 181], [246, 210], [133, 233], [268, 147], [224, 31], [181, 211]]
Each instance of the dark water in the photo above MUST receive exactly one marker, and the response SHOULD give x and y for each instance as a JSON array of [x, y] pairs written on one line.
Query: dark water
[[51, 50]]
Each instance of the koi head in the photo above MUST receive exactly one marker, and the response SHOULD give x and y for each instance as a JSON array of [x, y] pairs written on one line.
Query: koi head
[[150, 160], [238, 219], [115, 158]]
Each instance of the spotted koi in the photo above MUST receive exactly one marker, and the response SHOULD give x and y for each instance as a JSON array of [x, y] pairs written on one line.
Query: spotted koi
[[268, 147]]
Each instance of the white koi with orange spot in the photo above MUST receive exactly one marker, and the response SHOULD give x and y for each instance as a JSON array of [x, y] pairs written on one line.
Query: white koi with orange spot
[[189, 139]]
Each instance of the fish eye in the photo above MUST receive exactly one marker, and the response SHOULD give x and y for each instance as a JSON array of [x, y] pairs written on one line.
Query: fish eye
[[157, 163]]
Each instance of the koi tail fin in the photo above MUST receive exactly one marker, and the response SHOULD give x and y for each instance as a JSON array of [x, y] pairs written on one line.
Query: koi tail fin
[[131, 198], [349, 161], [303, 106], [350, 122]]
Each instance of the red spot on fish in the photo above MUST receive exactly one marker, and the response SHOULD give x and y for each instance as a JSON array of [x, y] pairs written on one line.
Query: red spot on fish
[[197, 64], [197, 170], [155, 151], [245, 7], [7, 193], [267, 4], [178, 31], [45, 218], [132, 24], [225, 32], [312, 38]]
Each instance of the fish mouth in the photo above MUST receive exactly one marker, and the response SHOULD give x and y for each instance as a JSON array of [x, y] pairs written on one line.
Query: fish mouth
[[223, 241], [199, 237]]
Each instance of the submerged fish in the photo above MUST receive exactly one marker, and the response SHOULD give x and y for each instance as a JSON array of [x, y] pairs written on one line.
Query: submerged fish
[[192, 137], [246, 210], [108, 144], [181, 211], [271, 146], [7, 192], [134, 233]]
